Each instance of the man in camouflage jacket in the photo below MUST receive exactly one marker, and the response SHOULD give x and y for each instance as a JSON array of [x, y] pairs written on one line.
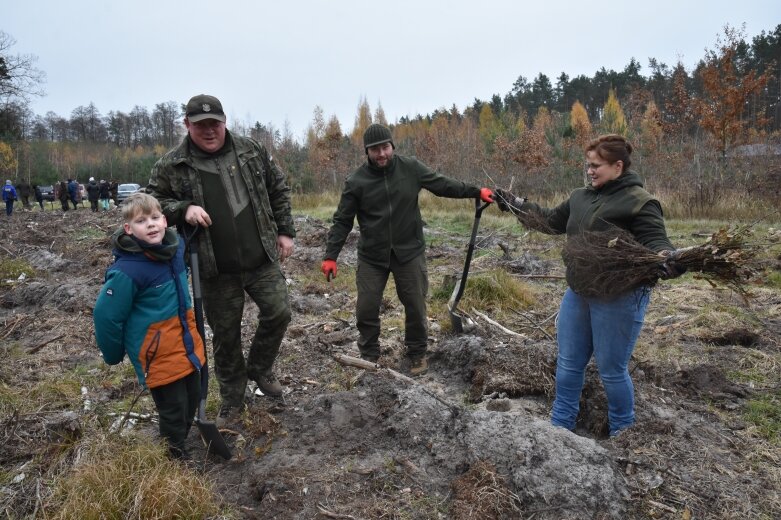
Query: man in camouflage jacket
[[231, 187]]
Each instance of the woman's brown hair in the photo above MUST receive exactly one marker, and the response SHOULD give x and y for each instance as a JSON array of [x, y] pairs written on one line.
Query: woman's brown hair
[[612, 148]]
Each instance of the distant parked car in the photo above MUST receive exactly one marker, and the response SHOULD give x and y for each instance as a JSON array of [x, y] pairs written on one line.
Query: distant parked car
[[47, 192], [126, 190]]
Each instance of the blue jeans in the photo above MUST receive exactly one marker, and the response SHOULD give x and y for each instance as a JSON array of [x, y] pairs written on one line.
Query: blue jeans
[[608, 329]]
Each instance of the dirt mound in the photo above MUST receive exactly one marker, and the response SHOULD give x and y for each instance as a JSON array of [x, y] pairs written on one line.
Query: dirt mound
[[386, 429]]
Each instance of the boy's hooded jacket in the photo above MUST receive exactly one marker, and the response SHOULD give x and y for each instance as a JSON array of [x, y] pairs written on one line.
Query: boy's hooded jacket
[[144, 310]]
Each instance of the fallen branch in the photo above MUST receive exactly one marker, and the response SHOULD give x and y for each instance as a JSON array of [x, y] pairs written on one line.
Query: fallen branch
[[132, 415], [329, 514], [33, 350], [536, 325], [662, 506], [551, 276], [357, 362], [374, 367], [498, 325], [19, 319], [130, 410]]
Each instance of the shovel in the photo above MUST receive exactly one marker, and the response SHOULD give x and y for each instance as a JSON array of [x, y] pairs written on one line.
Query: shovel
[[210, 435], [456, 320]]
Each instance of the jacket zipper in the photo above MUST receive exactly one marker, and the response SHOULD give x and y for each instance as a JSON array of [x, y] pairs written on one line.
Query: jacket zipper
[[151, 352], [390, 214], [230, 175]]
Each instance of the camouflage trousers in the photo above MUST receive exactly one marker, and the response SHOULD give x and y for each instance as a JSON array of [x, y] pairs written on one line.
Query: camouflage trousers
[[411, 279], [223, 301]]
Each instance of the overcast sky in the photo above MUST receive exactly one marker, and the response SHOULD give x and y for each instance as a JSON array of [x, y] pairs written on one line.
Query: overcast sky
[[274, 61]]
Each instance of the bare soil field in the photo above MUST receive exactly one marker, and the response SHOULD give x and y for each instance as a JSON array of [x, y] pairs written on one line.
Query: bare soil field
[[470, 439]]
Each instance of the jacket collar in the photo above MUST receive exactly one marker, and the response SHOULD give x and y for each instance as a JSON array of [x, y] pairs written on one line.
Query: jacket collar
[[627, 179], [376, 169]]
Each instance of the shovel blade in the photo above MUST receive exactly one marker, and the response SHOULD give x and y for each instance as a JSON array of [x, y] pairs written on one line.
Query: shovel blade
[[212, 439], [456, 322], [461, 324]]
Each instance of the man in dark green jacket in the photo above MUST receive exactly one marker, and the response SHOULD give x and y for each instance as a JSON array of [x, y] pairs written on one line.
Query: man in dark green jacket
[[231, 187], [383, 194]]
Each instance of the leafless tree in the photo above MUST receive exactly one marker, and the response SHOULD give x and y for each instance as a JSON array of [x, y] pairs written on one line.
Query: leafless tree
[[19, 79]]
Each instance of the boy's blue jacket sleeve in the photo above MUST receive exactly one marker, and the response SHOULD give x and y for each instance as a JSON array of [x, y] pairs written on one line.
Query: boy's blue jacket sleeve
[[112, 310]]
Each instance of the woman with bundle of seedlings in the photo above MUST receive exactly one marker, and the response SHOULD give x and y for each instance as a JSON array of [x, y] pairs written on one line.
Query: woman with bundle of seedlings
[[603, 325]]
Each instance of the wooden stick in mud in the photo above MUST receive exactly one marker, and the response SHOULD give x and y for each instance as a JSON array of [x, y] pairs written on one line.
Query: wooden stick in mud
[[368, 365]]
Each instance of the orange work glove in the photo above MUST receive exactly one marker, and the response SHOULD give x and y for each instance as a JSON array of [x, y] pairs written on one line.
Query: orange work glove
[[486, 195], [329, 268]]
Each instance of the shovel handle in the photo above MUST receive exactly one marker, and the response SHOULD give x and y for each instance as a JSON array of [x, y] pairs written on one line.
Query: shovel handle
[[479, 207], [190, 234]]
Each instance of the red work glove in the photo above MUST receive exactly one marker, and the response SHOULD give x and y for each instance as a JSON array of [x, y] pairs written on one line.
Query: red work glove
[[329, 268], [486, 195]]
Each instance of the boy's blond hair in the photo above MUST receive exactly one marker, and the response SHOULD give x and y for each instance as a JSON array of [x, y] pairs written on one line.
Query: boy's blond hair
[[139, 204]]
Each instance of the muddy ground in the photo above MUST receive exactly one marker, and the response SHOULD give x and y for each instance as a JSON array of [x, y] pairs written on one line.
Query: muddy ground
[[471, 439]]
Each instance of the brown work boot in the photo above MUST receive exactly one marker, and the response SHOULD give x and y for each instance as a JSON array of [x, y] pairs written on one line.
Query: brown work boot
[[228, 415], [269, 384], [418, 366]]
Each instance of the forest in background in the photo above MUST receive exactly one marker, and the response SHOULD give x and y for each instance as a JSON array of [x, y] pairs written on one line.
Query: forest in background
[[705, 138]]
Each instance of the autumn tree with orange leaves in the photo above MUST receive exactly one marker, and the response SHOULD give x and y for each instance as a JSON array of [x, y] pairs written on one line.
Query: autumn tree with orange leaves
[[581, 126], [727, 93]]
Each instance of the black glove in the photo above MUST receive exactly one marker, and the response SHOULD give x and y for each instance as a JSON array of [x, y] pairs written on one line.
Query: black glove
[[670, 268], [506, 201]]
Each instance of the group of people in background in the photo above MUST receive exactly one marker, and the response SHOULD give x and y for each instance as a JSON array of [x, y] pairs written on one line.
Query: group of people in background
[[100, 195], [229, 187]]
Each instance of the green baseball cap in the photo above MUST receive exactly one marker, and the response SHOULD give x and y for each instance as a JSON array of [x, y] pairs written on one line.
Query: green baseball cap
[[202, 107]]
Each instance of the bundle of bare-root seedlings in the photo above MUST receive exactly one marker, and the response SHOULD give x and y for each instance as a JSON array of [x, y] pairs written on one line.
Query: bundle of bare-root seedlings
[[604, 264]]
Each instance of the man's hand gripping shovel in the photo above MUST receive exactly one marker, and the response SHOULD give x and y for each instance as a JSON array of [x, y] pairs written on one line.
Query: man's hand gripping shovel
[[210, 434], [463, 323]]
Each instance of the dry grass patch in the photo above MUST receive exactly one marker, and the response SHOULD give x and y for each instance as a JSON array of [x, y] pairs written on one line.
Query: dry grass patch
[[127, 478], [495, 291], [483, 493]]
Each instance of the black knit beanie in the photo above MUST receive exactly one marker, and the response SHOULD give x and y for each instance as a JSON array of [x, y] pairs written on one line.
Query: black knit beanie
[[377, 134]]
